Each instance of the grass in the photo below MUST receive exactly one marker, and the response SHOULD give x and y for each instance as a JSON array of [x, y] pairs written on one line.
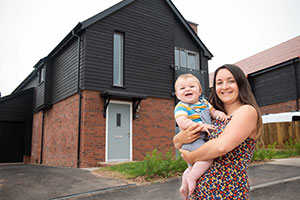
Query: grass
[[154, 166], [129, 170], [158, 166]]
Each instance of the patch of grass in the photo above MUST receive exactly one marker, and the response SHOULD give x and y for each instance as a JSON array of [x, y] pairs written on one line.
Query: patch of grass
[[158, 166], [290, 150], [130, 169], [285, 154], [155, 165]]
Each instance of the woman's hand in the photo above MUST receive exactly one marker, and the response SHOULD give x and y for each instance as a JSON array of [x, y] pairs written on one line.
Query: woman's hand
[[185, 155], [190, 134]]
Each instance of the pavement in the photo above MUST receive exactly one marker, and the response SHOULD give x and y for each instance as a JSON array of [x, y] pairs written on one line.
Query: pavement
[[276, 180]]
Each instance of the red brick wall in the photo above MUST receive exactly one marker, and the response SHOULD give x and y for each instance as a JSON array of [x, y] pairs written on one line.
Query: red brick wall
[[92, 129], [61, 133], [280, 107], [154, 128], [36, 138]]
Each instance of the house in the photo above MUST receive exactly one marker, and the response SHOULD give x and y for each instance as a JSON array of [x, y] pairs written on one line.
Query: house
[[105, 92], [274, 75]]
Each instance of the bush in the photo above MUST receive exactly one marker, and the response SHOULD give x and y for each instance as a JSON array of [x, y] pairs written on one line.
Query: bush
[[271, 151], [297, 146], [163, 166], [289, 145]]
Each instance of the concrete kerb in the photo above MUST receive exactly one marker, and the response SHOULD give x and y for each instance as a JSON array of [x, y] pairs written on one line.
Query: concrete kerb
[[93, 192], [274, 183]]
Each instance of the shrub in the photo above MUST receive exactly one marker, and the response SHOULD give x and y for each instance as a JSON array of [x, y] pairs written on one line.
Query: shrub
[[271, 151], [164, 166], [297, 146], [289, 145]]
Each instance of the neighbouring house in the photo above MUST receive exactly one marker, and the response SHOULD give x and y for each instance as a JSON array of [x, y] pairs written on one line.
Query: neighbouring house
[[105, 92], [274, 75]]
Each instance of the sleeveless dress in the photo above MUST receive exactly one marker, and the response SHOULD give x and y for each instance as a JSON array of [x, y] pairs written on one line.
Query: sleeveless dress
[[227, 177]]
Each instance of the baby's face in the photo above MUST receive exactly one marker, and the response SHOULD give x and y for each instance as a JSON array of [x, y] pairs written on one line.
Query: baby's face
[[188, 91]]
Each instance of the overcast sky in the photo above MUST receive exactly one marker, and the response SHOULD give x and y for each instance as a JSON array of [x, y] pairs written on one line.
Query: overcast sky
[[232, 30]]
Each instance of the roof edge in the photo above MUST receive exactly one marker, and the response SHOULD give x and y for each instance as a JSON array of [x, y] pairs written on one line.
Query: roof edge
[[105, 13], [13, 95], [207, 53]]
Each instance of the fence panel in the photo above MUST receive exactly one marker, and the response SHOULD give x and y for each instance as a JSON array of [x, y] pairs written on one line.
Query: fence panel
[[280, 132]]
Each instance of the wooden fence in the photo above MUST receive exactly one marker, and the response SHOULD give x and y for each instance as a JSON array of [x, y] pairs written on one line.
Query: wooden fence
[[280, 132]]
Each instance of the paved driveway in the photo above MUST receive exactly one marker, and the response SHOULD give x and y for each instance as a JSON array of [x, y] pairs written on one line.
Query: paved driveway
[[277, 180], [30, 182]]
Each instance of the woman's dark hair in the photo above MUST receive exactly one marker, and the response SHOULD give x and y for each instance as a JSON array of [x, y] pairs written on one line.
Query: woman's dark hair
[[245, 93]]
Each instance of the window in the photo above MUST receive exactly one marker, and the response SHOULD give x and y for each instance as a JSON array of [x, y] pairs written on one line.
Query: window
[[185, 58], [42, 75], [118, 55], [118, 119]]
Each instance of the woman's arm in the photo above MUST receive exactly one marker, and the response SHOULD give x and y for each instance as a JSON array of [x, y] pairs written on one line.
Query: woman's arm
[[190, 134], [241, 126]]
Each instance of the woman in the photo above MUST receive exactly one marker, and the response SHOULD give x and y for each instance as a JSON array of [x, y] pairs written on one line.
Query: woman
[[231, 144]]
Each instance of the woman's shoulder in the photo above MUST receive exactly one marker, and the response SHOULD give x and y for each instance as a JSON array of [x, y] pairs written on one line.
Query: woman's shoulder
[[245, 110]]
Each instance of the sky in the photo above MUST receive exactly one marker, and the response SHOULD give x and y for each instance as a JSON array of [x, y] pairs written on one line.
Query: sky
[[232, 30]]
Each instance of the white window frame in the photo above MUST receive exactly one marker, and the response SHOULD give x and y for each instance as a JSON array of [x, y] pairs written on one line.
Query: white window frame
[[41, 75], [118, 59], [182, 58]]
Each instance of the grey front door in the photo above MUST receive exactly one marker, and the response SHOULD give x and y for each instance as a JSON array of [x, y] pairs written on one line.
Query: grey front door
[[118, 132]]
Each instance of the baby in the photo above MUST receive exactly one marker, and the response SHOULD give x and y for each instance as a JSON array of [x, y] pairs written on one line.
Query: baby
[[193, 109]]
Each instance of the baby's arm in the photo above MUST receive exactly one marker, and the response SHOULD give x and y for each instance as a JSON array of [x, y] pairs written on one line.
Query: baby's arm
[[217, 114], [183, 122]]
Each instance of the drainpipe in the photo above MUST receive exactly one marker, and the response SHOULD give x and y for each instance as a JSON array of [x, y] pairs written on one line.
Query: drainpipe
[[42, 138], [80, 97], [296, 82]]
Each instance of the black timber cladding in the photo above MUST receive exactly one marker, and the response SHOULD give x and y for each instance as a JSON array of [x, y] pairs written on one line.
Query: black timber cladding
[[148, 27], [276, 85], [18, 108], [64, 73]]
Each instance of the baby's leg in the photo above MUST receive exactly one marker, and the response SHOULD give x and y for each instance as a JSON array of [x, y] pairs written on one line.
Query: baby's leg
[[184, 187], [196, 172]]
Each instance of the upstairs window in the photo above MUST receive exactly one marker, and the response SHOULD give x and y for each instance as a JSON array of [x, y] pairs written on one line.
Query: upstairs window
[[118, 55], [42, 75], [185, 58]]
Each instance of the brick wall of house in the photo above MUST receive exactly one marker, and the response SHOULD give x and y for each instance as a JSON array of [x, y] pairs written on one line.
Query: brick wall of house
[[36, 139], [93, 129], [287, 106], [154, 128], [60, 133]]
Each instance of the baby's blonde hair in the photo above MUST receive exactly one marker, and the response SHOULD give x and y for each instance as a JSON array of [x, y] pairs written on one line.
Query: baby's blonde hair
[[184, 77]]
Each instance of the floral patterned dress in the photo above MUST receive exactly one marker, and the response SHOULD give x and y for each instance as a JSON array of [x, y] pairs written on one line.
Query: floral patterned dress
[[227, 177]]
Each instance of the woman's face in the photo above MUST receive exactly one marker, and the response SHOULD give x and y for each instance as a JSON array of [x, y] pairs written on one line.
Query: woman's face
[[226, 87]]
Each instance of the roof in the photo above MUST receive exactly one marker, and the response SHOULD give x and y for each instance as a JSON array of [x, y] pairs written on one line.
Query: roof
[[268, 58], [278, 54], [17, 94], [77, 30], [124, 3]]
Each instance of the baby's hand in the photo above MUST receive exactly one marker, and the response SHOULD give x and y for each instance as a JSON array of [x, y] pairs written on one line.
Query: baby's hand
[[206, 127], [222, 116]]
